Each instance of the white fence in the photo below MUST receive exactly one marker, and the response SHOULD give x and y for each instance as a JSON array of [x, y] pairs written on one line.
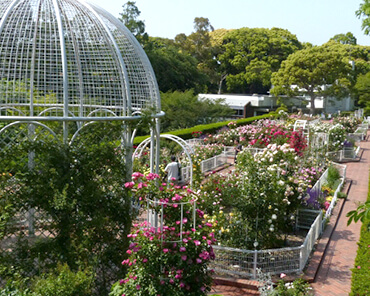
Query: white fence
[[194, 142], [342, 171], [346, 154], [213, 162], [244, 263], [210, 163], [318, 185]]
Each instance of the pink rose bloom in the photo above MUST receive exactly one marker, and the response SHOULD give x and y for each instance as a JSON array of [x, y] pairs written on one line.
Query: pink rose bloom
[[198, 260], [165, 250], [184, 257], [129, 184], [196, 242], [137, 175]]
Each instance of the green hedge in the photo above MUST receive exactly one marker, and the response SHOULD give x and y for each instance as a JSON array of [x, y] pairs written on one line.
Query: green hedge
[[361, 271], [208, 128]]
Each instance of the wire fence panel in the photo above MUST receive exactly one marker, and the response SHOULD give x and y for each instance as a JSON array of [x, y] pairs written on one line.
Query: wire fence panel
[[309, 243], [306, 217], [244, 263]]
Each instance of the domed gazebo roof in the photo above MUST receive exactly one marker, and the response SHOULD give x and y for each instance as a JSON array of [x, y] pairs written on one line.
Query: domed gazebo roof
[[70, 60]]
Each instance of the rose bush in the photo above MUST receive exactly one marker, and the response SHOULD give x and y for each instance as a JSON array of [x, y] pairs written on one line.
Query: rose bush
[[170, 258]]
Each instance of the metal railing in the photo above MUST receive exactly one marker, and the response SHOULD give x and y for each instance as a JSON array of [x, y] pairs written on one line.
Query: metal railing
[[346, 154], [194, 142], [213, 162], [244, 263]]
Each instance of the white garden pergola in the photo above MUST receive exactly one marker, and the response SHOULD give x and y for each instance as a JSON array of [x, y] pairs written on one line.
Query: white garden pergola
[[70, 62]]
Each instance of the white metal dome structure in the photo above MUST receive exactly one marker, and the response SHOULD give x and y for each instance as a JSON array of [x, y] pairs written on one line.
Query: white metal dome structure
[[70, 61]]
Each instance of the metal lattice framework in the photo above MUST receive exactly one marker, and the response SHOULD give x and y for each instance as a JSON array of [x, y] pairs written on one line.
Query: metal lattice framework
[[68, 60]]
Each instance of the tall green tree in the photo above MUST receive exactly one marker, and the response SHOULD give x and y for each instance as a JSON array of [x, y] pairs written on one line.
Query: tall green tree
[[130, 18], [364, 13], [197, 43], [250, 56], [315, 72]]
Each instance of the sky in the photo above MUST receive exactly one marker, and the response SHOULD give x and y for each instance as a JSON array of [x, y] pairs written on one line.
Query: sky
[[314, 21]]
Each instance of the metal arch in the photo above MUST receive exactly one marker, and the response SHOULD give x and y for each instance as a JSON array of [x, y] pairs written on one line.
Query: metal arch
[[64, 67], [54, 108], [135, 130], [174, 138], [78, 61], [58, 108], [118, 55], [31, 122], [78, 131], [12, 108], [106, 110], [141, 53], [6, 14]]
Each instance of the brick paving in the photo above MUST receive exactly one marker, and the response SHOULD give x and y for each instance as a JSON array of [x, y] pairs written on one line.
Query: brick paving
[[330, 267], [334, 275]]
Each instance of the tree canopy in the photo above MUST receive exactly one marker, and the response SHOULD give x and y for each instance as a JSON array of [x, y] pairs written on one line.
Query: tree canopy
[[348, 38], [314, 72], [250, 56], [363, 91], [174, 69]]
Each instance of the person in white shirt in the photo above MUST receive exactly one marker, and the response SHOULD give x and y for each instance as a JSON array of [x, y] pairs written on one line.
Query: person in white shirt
[[172, 170]]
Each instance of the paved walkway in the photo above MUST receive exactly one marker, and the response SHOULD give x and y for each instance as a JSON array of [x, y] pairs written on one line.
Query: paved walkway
[[333, 277]]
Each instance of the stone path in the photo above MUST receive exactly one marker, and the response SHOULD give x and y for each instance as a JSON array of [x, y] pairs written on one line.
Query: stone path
[[331, 269]]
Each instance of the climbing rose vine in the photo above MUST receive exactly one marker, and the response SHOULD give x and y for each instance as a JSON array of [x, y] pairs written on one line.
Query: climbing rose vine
[[171, 258]]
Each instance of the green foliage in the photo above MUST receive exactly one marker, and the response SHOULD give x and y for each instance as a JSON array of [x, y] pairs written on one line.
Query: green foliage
[[361, 270], [297, 288], [362, 213], [250, 56], [171, 259], [79, 189], [16, 287], [310, 69], [174, 69], [64, 282], [348, 38], [364, 12], [363, 90], [333, 177], [129, 17], [184, 110]]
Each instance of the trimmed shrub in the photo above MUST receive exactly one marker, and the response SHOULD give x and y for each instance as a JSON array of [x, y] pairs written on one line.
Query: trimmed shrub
[[207, 128], [361, 270]]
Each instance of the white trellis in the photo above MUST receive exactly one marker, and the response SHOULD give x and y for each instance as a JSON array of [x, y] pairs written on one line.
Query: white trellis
[[188, 150], [302, 125]]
